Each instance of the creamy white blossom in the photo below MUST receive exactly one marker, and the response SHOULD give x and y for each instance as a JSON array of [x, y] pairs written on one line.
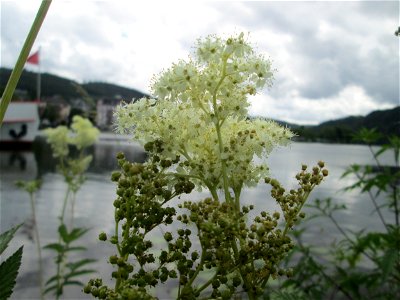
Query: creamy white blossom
[[199, 112]]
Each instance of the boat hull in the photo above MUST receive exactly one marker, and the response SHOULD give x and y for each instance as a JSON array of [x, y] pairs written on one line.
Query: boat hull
[[20, 125]]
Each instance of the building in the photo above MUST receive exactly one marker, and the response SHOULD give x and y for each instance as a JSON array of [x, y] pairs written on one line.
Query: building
[[105, 111]]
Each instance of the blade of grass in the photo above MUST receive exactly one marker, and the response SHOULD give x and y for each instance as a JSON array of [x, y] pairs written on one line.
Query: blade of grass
[[23, 56]]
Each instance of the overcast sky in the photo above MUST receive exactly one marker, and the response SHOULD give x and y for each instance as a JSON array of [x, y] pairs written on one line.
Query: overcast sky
[[333, 59]]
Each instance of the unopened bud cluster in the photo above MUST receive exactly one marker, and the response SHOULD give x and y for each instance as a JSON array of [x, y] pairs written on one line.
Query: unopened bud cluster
[[291, 202], [142, 192]]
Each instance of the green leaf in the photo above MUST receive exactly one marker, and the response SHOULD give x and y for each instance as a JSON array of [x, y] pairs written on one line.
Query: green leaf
[[51, 288], [51, 279], [76, 233], [78, 248], [73, 282], [352, 169], [78, 264], [6, 237], [55, 246], [78, 273], [288, 294], [388, 263], [62, 230], [8, 273]]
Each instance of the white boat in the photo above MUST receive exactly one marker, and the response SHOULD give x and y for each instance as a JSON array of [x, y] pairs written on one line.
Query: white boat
[[20, 125]]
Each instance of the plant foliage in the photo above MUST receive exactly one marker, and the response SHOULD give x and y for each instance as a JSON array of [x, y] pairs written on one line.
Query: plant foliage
[[363, 264], [9, 268]]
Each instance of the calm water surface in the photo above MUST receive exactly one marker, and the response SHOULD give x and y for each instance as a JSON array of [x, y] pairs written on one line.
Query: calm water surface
[[94, 207]]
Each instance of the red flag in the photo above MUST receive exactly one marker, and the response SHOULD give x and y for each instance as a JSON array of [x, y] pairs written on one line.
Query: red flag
[[34, 58]]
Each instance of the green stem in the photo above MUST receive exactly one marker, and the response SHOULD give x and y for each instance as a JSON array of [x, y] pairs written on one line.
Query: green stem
[[378, 210], [23, 56], [217, 123], [38, 247], [346, 235], [60, 271], [72, 210], [200, 265], [237, 192], [205, 285], [305, 197], [61, 256], [65, 204]]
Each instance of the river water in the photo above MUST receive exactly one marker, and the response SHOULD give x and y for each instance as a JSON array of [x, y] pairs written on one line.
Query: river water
[[94, 200]]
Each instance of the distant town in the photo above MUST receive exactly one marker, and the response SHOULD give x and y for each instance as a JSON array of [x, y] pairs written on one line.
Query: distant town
[[62, 98]]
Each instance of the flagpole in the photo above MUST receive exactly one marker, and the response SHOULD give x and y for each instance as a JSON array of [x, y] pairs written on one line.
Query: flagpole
[[38, 82]]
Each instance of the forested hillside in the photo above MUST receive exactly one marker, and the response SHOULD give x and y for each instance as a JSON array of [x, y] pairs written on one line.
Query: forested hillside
[[56, 85], [386, 122]]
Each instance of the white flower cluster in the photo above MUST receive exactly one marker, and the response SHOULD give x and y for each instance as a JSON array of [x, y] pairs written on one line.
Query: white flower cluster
[[82, 134], [200, 113]]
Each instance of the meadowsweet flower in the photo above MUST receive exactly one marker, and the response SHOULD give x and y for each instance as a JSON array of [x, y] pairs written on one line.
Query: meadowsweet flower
[[200, 113], [84, 134], [58, 139]]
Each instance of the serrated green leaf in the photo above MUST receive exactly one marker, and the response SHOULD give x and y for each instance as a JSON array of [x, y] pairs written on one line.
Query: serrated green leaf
[[7, 236], [9, 272]]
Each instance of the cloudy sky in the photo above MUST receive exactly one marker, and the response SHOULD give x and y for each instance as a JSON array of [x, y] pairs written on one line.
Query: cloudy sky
[[333, 59]]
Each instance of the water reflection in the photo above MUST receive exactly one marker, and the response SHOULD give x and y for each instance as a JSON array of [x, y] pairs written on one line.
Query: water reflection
[[94, 207], [16, 158], [103, 153]]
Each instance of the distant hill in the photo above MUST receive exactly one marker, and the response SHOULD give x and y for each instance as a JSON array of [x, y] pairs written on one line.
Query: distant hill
[[386, 122], [56, 85]]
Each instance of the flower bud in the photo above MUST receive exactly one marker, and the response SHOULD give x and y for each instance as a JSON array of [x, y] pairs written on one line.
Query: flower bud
[[168, 236], [103, 236]]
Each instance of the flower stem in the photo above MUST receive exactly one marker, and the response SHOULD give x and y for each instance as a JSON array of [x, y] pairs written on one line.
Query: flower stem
[[217, 123], [65, 204], [38, 247]]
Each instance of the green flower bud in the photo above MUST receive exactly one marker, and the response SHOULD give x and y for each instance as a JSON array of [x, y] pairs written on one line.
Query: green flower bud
[[168, 236], [114, 240], [195, 255], [87, 289], [172, 274], [103, 236], [120, 155], [115, 176], [113, 259], [95, 292]]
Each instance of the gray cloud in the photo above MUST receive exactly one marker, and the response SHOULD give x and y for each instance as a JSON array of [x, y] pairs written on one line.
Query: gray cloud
[[357, 48], [323, 51]]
